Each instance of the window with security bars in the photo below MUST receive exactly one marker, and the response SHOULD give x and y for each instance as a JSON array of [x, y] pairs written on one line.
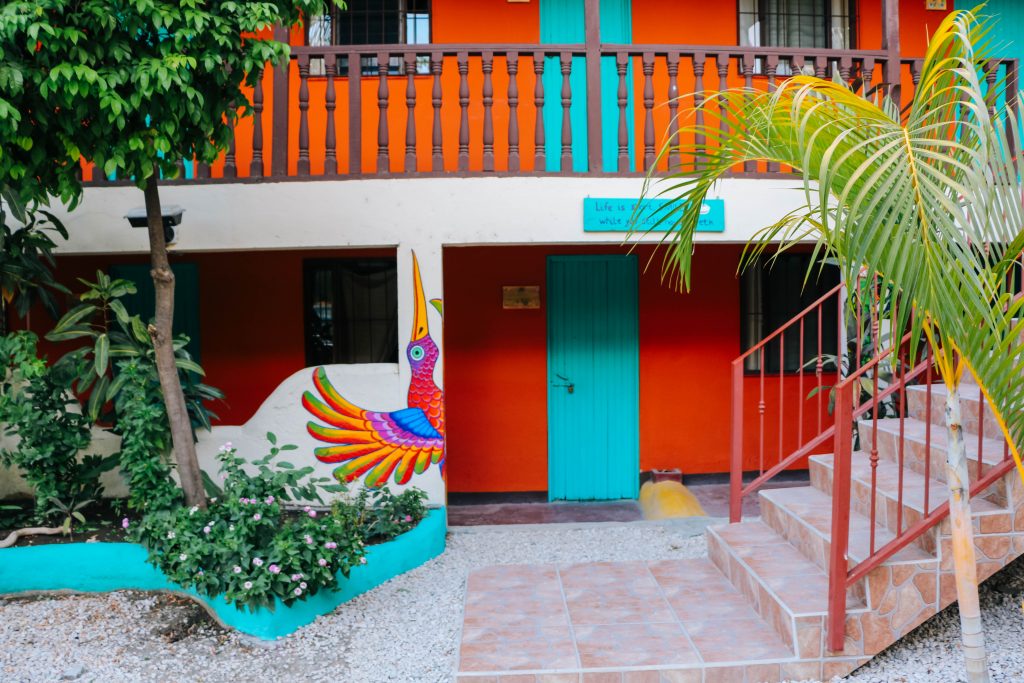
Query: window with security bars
[[373, 22], [827, 24], [351, 310], [772, 294]]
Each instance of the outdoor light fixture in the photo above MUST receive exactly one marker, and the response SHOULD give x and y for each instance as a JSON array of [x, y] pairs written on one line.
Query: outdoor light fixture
[[171, 215]]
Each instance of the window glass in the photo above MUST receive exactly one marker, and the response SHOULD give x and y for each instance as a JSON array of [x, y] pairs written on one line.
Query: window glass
[[796, 23], [351, 311], [772, 294]]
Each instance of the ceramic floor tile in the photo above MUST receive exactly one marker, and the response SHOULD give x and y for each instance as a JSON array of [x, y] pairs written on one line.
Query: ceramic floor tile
[[736, 640], [618, 605], [712, 605], [531, 653], [634, 645]]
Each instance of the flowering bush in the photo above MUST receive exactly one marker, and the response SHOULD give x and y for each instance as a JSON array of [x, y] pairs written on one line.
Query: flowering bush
[[245, 546], [382, 515]]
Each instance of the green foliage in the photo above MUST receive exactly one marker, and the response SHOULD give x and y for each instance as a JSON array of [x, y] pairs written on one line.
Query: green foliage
[[70, 512], [36, 406], [382, 515], [114, 337], [245, 545], [26, 254], [145, 440], [133, 87]]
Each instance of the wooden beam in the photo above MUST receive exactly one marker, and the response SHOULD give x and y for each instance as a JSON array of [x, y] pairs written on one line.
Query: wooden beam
[[279, 113], [891, 45], [592, 27]]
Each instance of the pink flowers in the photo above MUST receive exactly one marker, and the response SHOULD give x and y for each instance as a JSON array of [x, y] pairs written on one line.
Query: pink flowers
[[257, 561], [247, 585], [330, 545], [243, 501], [274, 569], [269, 500], [257, 517], [322, 562], [206, 529], [302, 585], [237, 569], [307, 538], [124, 523], [362, 560], [408, 518], [312, 513], [298, 591], [297, 577]]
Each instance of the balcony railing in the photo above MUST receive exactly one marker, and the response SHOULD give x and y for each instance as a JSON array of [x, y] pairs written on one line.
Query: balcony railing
[[400, 110]]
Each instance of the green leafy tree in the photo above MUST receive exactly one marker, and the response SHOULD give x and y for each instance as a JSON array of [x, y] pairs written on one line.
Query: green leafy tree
[[928, 198], [133, 86]]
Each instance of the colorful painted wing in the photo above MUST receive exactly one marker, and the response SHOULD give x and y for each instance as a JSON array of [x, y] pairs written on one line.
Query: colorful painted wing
[[370, 443]]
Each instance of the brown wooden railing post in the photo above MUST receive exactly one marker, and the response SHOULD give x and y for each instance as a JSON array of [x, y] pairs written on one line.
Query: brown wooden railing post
[[330, 104], [436, 142], [256, 161], [771, 68], [487, 66], [592, 29], [383, 144], [565, 62], [279, 112], [736, 460], [672, 63], [230, 168], [355, 113], [648, 68], [202, 169], [463, 62], [539, 141], [410, 112], [621, 67], [512, 67], [302, 167], [699, 140], [747, 64], [722, 61], [838, 563]]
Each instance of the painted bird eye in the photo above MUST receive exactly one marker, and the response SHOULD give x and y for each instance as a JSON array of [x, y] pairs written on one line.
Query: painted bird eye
[[416, 353]]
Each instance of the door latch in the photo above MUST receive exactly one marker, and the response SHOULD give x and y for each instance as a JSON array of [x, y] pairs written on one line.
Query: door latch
[[568, 385]]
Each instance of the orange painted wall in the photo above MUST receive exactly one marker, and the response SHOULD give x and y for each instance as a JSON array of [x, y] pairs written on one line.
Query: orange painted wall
[[496, 370], [248, 345]]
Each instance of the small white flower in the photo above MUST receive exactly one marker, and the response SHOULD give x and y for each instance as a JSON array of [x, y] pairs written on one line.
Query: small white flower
[[183, 557], [362, 560], [257, 561], [298, 591], [193, 510], [170, 535], [237, 569], [257, 517], [206, 529], [231, 527], [302, 585], [247, 585]]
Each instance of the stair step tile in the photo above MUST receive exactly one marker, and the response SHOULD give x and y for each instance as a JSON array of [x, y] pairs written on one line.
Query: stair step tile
[[887, 499], [914, 456], [970, 396], [803, 515], [788, 591]]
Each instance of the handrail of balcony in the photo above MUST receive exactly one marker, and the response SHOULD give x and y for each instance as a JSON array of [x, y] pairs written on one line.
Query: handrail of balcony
[[462, 109]]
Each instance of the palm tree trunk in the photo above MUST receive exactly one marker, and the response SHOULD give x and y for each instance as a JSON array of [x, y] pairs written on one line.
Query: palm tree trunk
[[163, 344], [964, 564]]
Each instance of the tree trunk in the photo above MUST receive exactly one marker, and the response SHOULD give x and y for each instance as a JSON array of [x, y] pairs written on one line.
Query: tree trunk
[[964, 564], [163, 343]]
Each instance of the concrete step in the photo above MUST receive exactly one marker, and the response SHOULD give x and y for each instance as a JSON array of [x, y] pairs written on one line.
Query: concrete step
[[787, 590], [888, 502], [970, 406], [916, 434]]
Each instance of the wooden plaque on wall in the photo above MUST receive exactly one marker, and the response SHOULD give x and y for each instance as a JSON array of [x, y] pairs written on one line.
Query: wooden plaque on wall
[[520, 296]]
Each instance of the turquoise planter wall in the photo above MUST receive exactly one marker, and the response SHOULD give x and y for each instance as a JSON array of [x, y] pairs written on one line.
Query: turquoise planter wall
[[100, 567]]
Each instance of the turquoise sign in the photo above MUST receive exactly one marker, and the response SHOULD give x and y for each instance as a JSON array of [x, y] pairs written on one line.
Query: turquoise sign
[[612, 214]]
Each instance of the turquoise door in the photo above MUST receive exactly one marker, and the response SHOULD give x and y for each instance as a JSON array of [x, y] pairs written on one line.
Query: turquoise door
[[593, 378], [561, 21]]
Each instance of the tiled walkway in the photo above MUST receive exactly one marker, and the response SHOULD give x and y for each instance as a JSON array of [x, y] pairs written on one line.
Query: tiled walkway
[[656, 621]]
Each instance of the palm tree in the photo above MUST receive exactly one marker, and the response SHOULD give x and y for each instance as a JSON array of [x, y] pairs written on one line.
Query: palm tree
[[928, 198]]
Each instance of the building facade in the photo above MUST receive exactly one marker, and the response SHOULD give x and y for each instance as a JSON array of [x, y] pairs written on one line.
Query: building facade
[[429, 203]]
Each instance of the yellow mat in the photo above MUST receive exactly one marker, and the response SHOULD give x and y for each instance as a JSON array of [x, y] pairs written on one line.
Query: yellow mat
[[667, 500]]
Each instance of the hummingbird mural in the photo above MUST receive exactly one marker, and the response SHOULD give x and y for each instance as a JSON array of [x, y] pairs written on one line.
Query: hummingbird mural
[[377, 444]]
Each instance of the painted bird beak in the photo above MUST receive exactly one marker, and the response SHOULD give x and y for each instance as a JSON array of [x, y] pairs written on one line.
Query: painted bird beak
[[419, 316]]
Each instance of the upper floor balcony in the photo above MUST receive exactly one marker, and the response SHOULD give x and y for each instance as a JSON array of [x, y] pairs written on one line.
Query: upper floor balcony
[[521, 87]]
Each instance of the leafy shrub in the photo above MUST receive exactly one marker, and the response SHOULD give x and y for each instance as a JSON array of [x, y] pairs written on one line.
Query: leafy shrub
[[145, 441], [382, 515], [36, 406], [246, 546]]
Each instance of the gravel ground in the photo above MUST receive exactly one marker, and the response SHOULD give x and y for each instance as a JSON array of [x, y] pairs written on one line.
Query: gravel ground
[[407, 630]]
